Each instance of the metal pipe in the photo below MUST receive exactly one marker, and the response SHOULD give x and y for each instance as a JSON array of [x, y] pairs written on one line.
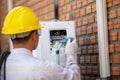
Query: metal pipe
[[10, 6], [103, 39]]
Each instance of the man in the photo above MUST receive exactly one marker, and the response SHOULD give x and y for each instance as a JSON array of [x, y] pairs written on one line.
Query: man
[[21, 25]]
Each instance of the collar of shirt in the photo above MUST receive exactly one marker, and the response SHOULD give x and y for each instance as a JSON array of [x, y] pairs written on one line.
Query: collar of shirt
[[21, 51]]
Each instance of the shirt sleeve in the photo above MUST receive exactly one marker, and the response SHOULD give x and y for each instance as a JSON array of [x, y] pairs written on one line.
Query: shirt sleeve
[[71, 72]]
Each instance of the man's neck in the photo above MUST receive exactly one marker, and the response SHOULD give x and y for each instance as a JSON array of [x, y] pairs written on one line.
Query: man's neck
[[22, 46]]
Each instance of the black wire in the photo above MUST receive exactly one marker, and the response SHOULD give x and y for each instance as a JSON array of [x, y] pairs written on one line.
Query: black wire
[[5, 66], [3, 58]]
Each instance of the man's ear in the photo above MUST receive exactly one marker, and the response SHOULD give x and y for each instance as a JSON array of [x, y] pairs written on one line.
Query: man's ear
[[34, 39], [34, 35]]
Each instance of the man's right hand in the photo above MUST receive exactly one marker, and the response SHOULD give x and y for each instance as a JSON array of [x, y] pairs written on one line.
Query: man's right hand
[[71, 48]]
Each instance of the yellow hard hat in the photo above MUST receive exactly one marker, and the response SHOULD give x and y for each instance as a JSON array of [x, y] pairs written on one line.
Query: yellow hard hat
[[20, 20]]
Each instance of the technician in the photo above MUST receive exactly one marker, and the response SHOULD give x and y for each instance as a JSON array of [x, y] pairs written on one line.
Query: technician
[[22, 25]]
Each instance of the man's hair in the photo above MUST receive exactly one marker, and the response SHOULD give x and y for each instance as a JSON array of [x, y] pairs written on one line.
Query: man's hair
[[21, 40]]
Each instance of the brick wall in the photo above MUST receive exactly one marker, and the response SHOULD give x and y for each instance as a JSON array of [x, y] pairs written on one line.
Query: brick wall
[[83, 12], [44, 9], [4, 41], [113, 8]]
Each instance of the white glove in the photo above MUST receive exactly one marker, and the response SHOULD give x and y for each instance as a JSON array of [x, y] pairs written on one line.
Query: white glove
[[71, 48]]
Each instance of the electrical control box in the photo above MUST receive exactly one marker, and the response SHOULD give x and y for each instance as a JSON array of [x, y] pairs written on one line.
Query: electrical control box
[[52, 41]]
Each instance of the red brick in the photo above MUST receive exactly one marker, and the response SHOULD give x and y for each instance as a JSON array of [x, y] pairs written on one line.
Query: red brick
[[68, 16], [112, 14], [109, 3], [95, 70], [20, 2], [95, 49], [5, 43], [94, 78], [87, 40], [90, 1], [80, 29], [111, 48], [67, 1], [74, 6], [81, 41], [82, 60], [87, 59], [84, 50], [91, 19], [64, 9], [3, 2], [46, 17], [87, 77], [82, 12], [85, 21], [61, 2], [35, 7], [78, 4], [119, 36], [82, 77], [84, 2], [117, 47], [51, 8], [80, 22], [93, 39], [78, 32], [43, 4], [113, 36], [89, 30], [77, 13], [94, 59], [84, 30], [117, 24], [52, 15], [89, 69], [115, 71], [110, 25], [118, 12], [31, 2], [50, 1], [90, 49], [116, 2], [116, 58], [45, 10], [68, 7], [88, 9], [83, 69], [76, 23], [94, 29], [94, 8], [62, 18], [60, 11]]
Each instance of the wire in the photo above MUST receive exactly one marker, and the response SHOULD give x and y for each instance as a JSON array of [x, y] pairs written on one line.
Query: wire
[[3, 58]]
